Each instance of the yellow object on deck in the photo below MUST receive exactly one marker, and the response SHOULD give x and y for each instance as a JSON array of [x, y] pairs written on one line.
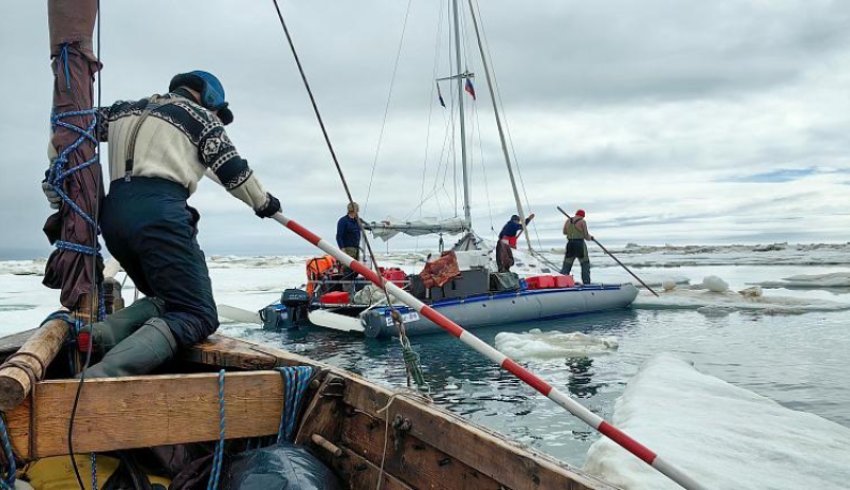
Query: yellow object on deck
[[57, 473]]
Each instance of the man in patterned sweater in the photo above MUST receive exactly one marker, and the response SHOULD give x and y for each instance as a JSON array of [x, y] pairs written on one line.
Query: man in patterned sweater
[[159, 148]]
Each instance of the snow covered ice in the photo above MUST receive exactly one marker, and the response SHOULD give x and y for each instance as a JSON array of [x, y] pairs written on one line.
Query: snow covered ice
[[550, 345], [723, 436]]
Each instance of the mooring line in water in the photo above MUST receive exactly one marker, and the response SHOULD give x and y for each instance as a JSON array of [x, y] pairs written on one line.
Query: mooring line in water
[[598, 423]]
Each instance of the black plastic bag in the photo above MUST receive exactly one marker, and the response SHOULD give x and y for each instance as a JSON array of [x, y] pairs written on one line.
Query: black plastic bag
[[279, 467]]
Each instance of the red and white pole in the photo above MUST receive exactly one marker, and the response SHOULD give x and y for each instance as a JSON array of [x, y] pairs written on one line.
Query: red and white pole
[[575, 408]]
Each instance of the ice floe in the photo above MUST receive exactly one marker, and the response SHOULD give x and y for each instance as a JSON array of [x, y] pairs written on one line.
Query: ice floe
[[721, 435], [811, 281], [536, 344], [713, 298]]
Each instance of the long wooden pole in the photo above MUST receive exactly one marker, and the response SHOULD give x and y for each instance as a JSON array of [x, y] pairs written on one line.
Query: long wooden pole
[[503, 361], [30, 363], [615, 258]]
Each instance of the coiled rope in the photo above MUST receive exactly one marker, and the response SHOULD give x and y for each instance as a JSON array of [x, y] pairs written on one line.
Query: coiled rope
[[295, 380]]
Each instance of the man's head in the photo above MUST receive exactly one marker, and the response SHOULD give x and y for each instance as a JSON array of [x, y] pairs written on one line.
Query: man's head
[[353, 208], [515, 218], [580, 212], [209, 89]]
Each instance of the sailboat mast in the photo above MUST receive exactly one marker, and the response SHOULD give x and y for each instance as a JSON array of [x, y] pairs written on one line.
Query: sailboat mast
[[499, 125], [461, 78]]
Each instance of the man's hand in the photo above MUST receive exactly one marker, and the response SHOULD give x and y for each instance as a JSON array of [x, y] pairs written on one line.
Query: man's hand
[[270, 208], [52, 196], [531, 216]]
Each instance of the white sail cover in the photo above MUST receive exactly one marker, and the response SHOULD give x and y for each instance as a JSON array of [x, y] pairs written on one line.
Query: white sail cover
[[390, 227]]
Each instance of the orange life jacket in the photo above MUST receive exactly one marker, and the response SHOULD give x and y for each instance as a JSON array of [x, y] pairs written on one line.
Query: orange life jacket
[[316, 268]]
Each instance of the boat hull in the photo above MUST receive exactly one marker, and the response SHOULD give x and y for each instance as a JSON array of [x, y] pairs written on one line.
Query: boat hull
[[507, 307]]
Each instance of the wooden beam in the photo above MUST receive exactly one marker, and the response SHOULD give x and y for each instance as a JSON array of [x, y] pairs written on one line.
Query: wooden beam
[[145, 411], [11, 343], [361, 474], [410, 460], [486, 451], [221, 351], [31, 359]]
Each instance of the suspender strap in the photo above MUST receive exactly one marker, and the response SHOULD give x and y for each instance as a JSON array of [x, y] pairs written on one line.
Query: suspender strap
[[134, 133]]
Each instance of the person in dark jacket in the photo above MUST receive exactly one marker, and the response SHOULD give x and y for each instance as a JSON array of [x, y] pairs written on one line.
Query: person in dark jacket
[[507, 241], [575, 229], [159, 148], [348, 237], [348, 232]]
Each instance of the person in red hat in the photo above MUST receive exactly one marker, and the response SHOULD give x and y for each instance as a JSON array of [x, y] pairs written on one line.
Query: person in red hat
[[575, 229]]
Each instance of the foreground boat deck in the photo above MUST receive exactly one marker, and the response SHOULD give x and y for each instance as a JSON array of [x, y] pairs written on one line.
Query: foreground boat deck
[[365, 432]]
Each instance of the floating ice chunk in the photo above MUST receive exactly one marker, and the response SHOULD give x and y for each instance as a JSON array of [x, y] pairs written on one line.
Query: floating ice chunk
[[811, 281], [552, 345], [721, 435], [715, 284], [751, 292], [668, 284], [729, 300]]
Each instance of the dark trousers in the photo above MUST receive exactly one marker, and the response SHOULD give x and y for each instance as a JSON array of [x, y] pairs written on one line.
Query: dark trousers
[[504, 256], [577, 249], [150, 229]]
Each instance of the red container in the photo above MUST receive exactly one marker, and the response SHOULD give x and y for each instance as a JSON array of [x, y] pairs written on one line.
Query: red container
[[564, 282], [335, 298], [394, 275], [540, 282]]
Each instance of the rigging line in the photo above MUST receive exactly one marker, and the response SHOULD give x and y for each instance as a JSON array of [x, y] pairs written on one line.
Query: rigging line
[[433, 191], [395, 315], [498, 92], [430, 114], [484, 171], [94, 261], [387, 106]]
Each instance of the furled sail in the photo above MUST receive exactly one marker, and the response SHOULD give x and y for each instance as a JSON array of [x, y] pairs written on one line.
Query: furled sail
[[390, 227]]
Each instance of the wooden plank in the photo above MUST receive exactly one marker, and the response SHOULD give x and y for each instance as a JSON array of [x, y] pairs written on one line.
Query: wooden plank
[[222, 351], [486, 451], [146, 411], [360, 474], [410, 460], [31, 359]]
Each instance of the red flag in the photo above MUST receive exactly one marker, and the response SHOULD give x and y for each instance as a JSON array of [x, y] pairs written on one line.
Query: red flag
[[469, 88]]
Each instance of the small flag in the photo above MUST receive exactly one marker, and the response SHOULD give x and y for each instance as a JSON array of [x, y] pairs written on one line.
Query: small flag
[[469, 88], [440, 96]]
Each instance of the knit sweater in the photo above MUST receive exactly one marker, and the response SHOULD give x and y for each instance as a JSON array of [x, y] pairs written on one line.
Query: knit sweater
[[179, 140]]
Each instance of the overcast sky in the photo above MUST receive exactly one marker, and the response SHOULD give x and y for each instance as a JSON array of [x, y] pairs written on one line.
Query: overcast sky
[[669, 122]]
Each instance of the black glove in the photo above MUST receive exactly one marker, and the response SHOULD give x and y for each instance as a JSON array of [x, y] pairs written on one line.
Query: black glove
[[271, 207]]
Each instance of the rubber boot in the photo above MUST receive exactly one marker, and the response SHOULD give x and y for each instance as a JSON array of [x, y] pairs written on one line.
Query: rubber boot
[[121, 324], [585, 272], [140, 353]]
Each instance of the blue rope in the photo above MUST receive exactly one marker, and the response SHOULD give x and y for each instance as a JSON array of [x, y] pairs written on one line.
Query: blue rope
[[64, 58], [93, 458], [9, 480], [57, 172], [212, 484], [295, 381]]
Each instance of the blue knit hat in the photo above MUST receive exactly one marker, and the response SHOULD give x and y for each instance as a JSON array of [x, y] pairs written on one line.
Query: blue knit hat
[[210, 88]]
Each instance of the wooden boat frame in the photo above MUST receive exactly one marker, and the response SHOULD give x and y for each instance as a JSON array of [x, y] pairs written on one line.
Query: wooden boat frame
[[363, 431]]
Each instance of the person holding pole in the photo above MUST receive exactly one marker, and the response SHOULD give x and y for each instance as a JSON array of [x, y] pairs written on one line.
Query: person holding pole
[[159, 148], [575, 228], [507, 241]]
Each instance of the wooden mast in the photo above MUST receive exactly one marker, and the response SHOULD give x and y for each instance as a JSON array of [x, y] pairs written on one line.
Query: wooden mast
[[73, 266]]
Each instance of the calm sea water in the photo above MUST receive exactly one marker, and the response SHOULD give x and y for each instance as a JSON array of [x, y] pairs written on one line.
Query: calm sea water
[[801, 361]]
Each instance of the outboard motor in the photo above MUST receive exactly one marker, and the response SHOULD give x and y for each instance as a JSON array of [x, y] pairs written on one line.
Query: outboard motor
[[288, 313]]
